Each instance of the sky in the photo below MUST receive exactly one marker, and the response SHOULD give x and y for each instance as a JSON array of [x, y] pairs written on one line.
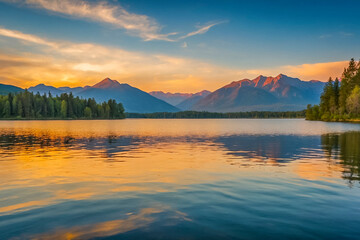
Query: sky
[[175, 46]]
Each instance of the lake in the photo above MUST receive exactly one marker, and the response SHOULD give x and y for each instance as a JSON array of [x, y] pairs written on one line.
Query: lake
[[179, 179]]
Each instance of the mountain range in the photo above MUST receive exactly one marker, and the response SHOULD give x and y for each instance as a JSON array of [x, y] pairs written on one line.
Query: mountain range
[[280, 93], [183, 101]]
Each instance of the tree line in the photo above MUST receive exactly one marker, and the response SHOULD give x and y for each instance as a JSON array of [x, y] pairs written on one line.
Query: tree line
[[27, 105], [195, 114], [340, 100]]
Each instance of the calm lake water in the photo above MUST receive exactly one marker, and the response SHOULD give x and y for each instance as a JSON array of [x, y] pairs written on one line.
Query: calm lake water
[[179, 179]]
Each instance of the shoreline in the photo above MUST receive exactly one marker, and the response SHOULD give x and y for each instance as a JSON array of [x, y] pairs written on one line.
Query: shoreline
[[55, 119], [136, 118], [340, 121]]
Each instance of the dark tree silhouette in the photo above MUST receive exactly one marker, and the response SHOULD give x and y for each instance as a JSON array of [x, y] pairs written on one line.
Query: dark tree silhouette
[[26, 105]]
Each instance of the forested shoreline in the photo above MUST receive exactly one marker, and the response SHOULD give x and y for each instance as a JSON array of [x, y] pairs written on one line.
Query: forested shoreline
[[195, 114], [340, 100], [26, 105]]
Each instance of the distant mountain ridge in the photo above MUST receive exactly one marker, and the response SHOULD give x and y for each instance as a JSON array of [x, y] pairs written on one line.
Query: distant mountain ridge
[[44, 89], [176, 98], [280, 93], [188, 103], [5, 89]]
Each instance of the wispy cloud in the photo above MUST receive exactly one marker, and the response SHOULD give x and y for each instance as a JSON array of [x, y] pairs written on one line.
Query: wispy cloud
[[26, 37], [346, 34], [337, 35], [323, 36], [201, 30], [136, 24], [139, 25]]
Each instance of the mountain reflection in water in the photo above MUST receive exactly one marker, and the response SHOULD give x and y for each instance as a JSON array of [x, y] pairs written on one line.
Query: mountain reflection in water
[[342, 149]]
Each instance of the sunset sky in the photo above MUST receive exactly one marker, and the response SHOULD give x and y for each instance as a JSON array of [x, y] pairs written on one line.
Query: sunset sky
[[177, 46]]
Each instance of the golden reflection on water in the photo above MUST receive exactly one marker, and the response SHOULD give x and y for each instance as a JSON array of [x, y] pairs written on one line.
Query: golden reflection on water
[[174, 127], [49, 162], [318, 170], [76, 174], [109, 228]]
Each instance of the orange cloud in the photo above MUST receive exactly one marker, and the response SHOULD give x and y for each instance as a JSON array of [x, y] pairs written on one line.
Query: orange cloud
[[312, 71], [317, 71]]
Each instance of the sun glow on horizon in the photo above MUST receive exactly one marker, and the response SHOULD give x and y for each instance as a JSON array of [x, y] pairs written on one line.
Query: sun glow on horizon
[[61, 63]]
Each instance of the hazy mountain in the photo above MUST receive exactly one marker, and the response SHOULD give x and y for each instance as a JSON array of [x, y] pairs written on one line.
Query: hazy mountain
[[133, 99], [281, 93], [171, 98], [43, 89], [180, 100], [188, 103], [69, 89], [5, 89]]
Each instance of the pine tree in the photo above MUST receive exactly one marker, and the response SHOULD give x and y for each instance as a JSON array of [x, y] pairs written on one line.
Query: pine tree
[[64, 110], [337, 92], [327, 99], [10, 99], [353, 102], [87, 113], [7, 109], [20, 111]]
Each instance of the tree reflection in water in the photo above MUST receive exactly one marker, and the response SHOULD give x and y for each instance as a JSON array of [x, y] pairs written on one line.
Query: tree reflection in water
[[345, 148]]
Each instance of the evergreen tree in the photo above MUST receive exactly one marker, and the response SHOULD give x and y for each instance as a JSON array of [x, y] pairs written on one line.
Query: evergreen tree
[[7, 109], [347, 84], [64, 111], [337, 92], [10, 99], [327, 99], [29, 105], [88, 112], [353, 102], [309, 113], [340, 99], [20, 111]]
